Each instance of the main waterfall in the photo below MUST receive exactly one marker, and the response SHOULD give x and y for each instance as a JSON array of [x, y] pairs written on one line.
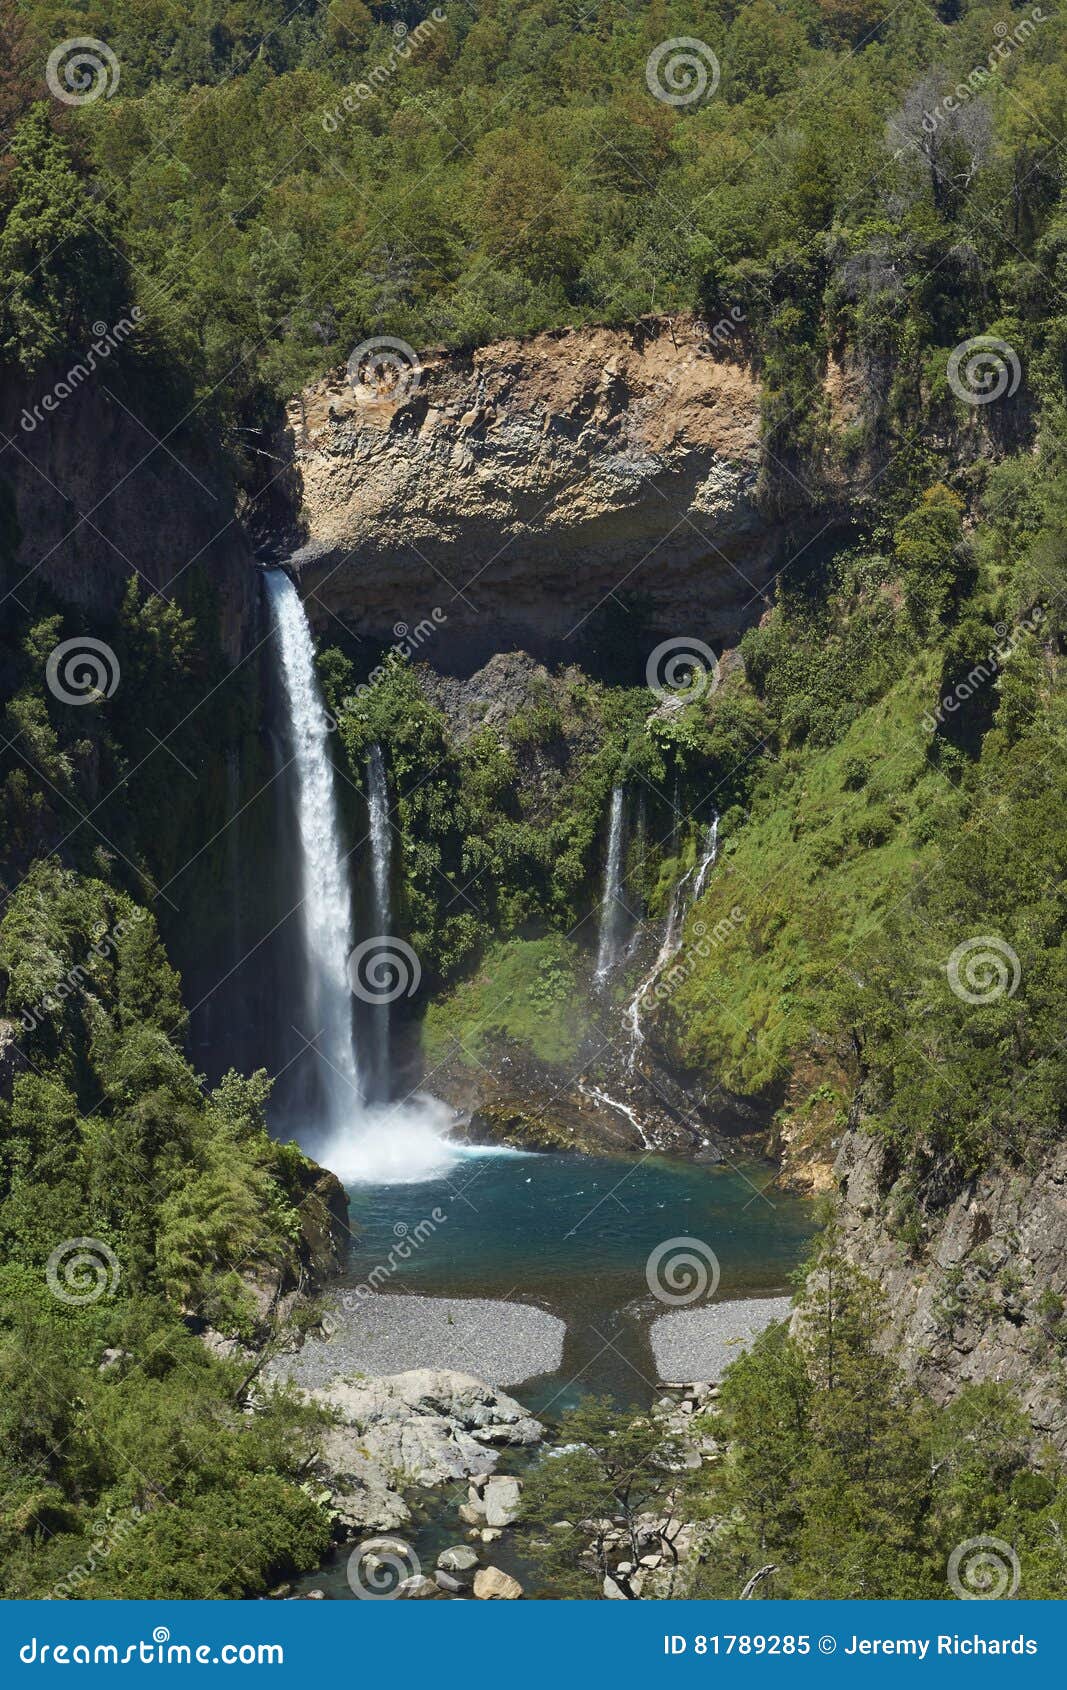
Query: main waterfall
[[360, 1140], [325, 900]]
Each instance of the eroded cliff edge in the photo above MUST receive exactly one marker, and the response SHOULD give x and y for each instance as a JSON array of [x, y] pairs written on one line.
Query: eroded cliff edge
[[974, 1273], [519, 488]]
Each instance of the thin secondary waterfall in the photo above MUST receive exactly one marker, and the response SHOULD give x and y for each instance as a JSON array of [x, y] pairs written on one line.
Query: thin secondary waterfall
[[611, 906], [326, 904], [684, 895], [381, 847], [707, 861]]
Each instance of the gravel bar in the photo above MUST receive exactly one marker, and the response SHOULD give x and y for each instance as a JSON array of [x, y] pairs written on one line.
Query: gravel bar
[[499, 1343], [693, 1344]]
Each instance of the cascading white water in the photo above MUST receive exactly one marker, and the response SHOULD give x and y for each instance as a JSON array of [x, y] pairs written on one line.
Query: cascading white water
[[707, 862], [611, 906], [399, 1143], [381, 848], [326, 904], [684, 895]]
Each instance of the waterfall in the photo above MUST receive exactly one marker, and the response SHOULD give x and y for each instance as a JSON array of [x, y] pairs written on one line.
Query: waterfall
[[362, 1142], [711, 851], [611, 906], [684, 895], [326, 904], [381, 846]]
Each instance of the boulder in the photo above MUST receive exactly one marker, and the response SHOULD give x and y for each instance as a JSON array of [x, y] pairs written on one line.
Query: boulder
[[491, 1585], [418, 1588], [427, 1427], [461, 1561], [502, 1500]]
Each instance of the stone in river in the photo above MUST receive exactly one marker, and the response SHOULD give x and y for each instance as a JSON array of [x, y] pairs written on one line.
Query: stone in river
[[491, 1585], [501, 1500]]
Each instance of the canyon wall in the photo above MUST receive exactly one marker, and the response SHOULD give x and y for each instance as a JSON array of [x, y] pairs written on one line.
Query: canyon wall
[[521, 488], [97, 495], [974, 1276]]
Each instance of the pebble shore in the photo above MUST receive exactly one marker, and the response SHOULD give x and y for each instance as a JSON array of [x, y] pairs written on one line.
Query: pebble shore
[[701, 1343], [500, 1343]]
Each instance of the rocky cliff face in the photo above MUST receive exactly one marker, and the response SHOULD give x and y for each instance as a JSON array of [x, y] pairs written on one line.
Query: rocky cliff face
[[517, 489], [96, 496], [975, 1279]]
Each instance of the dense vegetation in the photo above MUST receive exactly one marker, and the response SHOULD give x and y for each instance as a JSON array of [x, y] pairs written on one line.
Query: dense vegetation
[[513, 171], [834, 1478]]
